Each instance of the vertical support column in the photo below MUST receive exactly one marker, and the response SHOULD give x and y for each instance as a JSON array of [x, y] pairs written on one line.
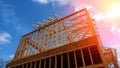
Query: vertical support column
[[82, 58], [26, 51], [65, 34], [48, 36], [30, 48], [50, 63], [26, 65], [56, 26], [43, 39], [39, 36], [44, 63], [70, 28], [22, 65], [30, 64], [55, 61], [61, 61], [35, 36], [90, 56], [52, 35], [61, 35], [75, 60], [35, 65], [68, 60], [34, 49], [40, 63], [68, 38], [115, 62], [18, 66], [40, 31]]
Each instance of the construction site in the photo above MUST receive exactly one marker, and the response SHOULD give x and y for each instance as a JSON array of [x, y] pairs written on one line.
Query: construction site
[[64, 42]]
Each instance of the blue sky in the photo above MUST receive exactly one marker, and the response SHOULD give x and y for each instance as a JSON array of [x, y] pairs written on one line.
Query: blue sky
[[17, 17]]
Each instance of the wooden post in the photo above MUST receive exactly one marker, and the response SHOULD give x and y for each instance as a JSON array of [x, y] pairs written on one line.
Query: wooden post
[[75, 60], [68, 60]]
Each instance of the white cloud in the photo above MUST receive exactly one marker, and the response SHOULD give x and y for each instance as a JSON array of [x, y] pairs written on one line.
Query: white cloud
[[60, 2], [54, 2], [11, 56], [5, 38], [41, 1]]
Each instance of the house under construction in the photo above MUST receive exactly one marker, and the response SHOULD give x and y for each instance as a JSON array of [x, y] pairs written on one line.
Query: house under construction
[[68, 42]]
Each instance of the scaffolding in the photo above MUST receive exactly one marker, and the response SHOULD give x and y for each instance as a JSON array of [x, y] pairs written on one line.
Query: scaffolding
[[68, 42]]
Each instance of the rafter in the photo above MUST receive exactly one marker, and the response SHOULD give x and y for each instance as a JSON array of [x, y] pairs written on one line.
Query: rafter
[[56, 32]]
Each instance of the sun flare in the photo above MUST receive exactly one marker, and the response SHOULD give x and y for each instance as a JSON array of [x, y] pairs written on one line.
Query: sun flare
[[114, 11]]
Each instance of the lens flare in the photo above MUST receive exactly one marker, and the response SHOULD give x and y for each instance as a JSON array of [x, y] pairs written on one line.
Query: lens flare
[[114, 11]]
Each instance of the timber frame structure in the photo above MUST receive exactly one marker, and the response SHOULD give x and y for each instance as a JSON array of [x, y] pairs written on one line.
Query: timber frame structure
[[68, 42]]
